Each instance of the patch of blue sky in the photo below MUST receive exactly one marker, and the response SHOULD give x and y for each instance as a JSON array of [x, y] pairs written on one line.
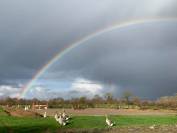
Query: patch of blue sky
[[54, 85]]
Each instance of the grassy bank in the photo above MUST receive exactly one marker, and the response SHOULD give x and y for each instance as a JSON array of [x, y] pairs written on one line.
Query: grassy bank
[[120, 121], [26, 125], [16, 124]]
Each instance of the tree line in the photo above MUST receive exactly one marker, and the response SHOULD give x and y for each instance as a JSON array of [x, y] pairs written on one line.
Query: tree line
[[106, 101]]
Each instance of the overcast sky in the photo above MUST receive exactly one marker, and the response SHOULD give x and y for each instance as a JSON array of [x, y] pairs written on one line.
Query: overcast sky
[[140, 58]]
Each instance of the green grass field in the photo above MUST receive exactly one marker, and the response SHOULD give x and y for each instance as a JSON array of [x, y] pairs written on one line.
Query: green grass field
[[29, 125], [15, 124]]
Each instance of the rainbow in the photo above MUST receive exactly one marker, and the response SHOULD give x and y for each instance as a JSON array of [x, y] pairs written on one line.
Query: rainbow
[[77, 43]]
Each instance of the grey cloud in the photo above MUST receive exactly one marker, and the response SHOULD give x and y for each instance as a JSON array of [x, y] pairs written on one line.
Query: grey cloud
[[32, 32], [11, 91], [141, 58]]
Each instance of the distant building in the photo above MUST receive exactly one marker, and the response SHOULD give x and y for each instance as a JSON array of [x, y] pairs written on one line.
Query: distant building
[[39, 106]]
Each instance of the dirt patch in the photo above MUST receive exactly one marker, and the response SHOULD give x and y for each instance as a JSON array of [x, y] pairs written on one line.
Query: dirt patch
[[102, 111], [22, 113], [159, 129]]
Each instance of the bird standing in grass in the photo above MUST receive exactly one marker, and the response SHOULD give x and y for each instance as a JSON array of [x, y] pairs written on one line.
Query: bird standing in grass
[[61, 120], [56, 117], [45, 114], [26, 108], [109, 122], [65, 116], [152, 127]]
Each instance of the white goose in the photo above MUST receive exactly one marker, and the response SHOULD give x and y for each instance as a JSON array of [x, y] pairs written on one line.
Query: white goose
[[26, 108], [61, 120], [109, 122], [152, 127], [65, 116], [45, 114], [56, 117]]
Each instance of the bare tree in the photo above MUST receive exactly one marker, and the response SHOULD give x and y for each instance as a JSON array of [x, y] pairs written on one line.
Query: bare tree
[[127, 95], [109, 97]]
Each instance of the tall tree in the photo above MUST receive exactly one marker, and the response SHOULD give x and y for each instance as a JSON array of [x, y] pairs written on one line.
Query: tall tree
[[127, 95], [109, 97]]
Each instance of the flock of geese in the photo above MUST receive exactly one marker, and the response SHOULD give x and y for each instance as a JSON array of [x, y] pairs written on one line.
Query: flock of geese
[[63, 118]]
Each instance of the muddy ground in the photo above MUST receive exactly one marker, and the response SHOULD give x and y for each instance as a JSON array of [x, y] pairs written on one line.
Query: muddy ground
[[137, 129], [102, 111]]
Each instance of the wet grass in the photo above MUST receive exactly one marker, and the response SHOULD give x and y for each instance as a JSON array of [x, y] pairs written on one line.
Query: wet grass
[[37, 125], [120, 121], [25, 125]]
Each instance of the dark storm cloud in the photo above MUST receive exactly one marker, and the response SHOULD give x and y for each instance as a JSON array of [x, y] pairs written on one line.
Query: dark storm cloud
[[32, 32], [141, 58]]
